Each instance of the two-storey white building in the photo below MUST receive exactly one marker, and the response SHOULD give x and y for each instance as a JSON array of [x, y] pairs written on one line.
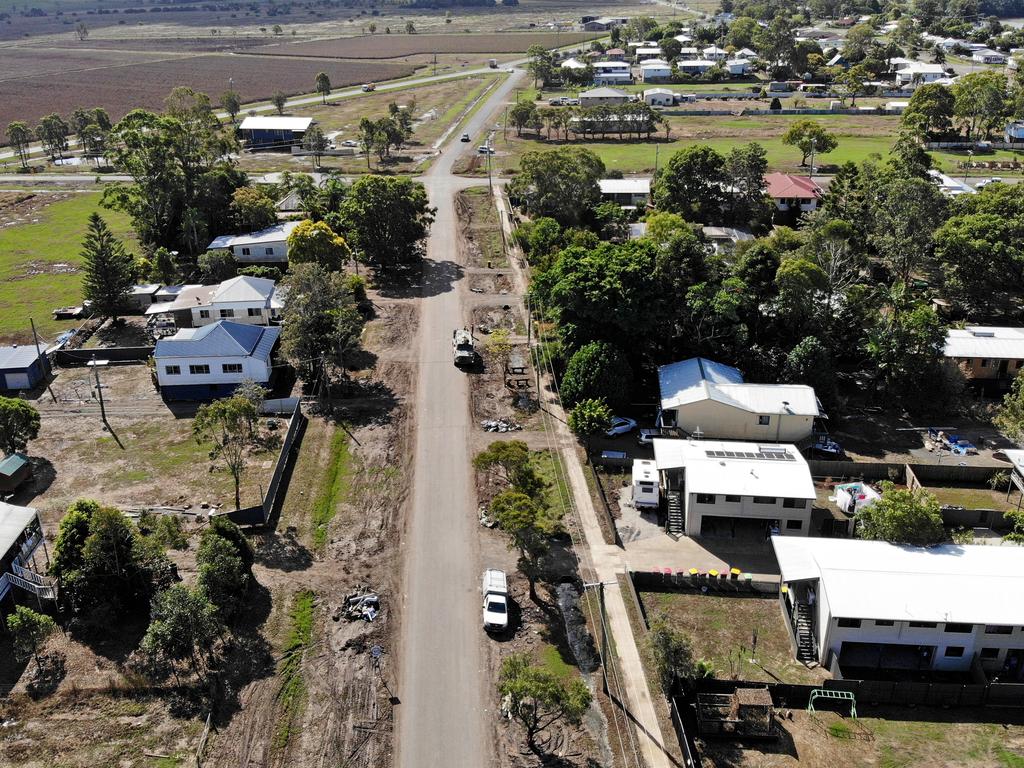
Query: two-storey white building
[[268, 246], [242, 299], [211, 361], [873, 606]]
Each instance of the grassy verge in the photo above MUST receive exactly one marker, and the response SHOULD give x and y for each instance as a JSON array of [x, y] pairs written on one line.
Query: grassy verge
[[549, 468], [484, 227], [334, 489], [292, 695]]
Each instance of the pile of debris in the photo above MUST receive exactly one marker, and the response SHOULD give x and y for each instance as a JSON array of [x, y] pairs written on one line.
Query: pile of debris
[[363, 604], [500, 425]]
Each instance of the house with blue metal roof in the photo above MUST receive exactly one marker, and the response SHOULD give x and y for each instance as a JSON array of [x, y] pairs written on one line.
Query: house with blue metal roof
[[211, 361], [21, 367]]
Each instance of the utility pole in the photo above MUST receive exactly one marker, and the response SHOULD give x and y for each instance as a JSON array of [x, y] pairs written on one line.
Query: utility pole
[[810, 171], [504, 125], [39, 355], [99, 390], [435, 65]]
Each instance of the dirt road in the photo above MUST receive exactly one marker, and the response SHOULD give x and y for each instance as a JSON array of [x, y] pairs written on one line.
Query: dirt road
[[443, 694]]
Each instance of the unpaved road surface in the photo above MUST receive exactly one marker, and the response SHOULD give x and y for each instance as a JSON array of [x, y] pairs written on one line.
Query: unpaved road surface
[[441, 720]]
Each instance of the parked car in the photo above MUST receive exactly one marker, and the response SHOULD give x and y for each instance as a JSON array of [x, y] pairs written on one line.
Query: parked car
[[369, 87], [558, 101], [572, 102], [646, 436], [985, 182], [495, 589], [350, 143], [465, 137], [620, 426], [484, 149]]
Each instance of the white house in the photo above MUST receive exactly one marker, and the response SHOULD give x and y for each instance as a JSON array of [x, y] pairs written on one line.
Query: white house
[[243, 299], [629, 193], [710, 399], [659, 97], [723, 240], [694, 66], [645, 54], [655, 71], [988, 56], [211, 361], [21, 535], [737, 67], [875, 606], [1015, 131], [572, 63], [732, 489], [745, 53], [918, 72], [714, 53], [612, 73], [689, 52], [684, 39], [986, 352], [268, 246], [596, 96]]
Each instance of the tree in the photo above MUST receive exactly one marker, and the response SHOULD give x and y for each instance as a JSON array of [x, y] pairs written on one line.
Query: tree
[[252, 209], [673, 657], [902, 516], [322, 324], [29, 630], [906, 213], [529, 527], [561, 183], [930, 109], [980, 102], [809, 136], [908, 157], [857, 41], [809, 363], [19, 423], [323, 85], [590, 418], [19, 136], [217, 266], [597, 370], [540, 699], [905, 345], [512, 460], [183, 625], [231, 103], [53, 135], [386, 219], [280, 101], [981, 260], [225, 424], [522, 114], [854, 80], [315, 242], [670, 48], [746, 167], [223, 578], [410, 28], [71, 536], [541, 64], [1010, 416], [108, 269], [741, 32], [693, 184]]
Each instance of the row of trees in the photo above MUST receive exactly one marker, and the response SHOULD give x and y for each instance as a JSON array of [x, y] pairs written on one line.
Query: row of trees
[[622, 120], [90, 126], [976, 104]]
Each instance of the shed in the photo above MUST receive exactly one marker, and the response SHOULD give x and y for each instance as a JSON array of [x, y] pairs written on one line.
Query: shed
[[14, 470], [275, 132], [21, 367]]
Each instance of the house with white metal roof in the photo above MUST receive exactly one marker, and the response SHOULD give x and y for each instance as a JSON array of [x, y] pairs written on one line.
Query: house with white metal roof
[[268, 246], [918, 72], [21, 564], [243, 299], [655, 71], [871, 606], [694, 66], [273, 131], [21, 367], [986, 352], [629, 193], [659, 97], [597, 96], [710, 399], [211, 361], [734, 489]]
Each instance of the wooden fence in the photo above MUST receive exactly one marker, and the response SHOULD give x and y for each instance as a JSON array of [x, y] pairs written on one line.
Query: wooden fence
[[69, 358], [950, 473]]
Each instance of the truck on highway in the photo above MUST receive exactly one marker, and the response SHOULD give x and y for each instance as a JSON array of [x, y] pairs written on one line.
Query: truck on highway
[[495, 589], [463, 348], [492, 63]]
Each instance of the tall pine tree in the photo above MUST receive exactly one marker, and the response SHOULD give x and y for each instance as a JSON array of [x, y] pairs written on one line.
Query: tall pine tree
[[108, 269]]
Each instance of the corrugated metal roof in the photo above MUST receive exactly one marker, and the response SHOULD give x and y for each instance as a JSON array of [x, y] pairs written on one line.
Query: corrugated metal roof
[[275, 234], [12, 464], [13, 522], [877, 580], [17, 357], [625, 186], [274, 123], [602, 93], [986, 342], [243, 288], [697, 379], [221, 339]]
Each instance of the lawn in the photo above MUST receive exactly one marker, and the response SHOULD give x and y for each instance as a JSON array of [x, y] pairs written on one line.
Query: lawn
[[39, 260], [721, 630], [479, 215], [974, 498], [556, 494]]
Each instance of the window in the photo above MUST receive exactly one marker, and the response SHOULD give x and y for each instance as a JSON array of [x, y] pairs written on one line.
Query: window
[[172, 370], [989, 653], [732, 499], [245, 252], [705, 498], [954, 651], [231, 368], [794, 525], [998, 629], [255, 312], [923, 624], [646, 487], [764, 499], [199, 370], [1020, 363], [984, 363], [227, 313], [204, 313], [268, 251], [794, 503], [764, 421], [883, 622], [959, 628], [851, 623]]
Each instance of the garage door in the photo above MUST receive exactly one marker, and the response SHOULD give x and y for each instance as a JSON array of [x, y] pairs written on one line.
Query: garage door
[[15, 381], [733, 527]]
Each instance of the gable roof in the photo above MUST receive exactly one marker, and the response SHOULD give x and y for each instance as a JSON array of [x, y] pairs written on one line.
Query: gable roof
[[699, 379], [221, 339], [243, 288], [787, 186], [17, 357], [13, 522], [275, 123], [985, 341], [273, 234], [878, 580], [603, 93]]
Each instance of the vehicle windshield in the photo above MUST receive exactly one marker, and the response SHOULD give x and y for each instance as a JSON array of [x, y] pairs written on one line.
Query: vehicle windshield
[[496, 607], [464, 347]]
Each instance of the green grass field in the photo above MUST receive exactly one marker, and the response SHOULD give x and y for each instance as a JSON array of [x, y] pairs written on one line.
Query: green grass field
[[29, 286]]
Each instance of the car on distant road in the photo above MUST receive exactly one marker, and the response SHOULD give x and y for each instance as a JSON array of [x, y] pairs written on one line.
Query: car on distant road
[[620, 426], [369, 87], [484, 149], [465, 137], [985, 182], [350, 143]]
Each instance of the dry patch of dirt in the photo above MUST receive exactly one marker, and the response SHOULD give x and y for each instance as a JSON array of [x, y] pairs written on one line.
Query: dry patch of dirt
[[36, 267], [22, 207]]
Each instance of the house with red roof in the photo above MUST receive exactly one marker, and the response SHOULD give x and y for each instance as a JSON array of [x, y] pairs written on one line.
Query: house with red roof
[[792, 193]]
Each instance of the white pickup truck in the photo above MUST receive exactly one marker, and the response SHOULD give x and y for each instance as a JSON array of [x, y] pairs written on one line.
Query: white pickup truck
[[463, 348], [495, 589]]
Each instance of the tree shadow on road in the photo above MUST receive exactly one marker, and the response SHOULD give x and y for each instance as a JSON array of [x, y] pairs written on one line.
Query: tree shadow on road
[[432, 279]]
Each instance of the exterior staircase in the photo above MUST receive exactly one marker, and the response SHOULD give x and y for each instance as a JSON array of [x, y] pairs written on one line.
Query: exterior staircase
[[805, 650], [42, 587], [676, 523]]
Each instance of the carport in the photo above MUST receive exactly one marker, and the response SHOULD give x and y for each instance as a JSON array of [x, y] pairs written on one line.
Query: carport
[[732, 527]]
